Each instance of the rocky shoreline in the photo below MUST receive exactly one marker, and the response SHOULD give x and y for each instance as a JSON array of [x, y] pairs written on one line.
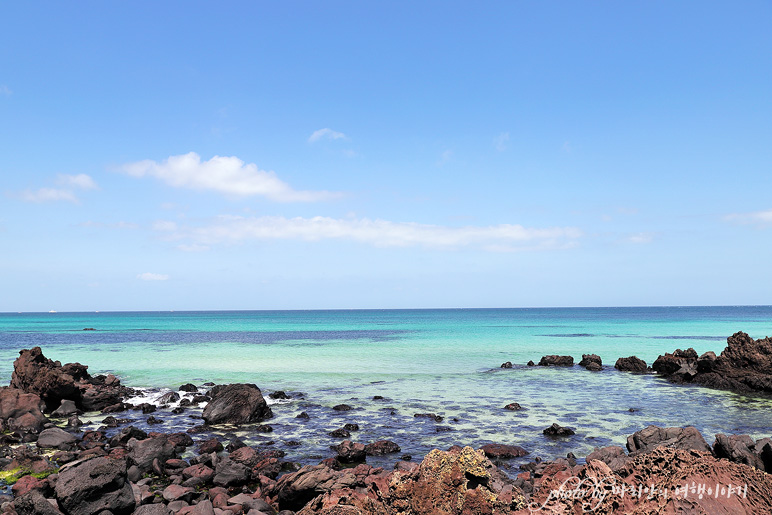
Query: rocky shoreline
[[55, 463]]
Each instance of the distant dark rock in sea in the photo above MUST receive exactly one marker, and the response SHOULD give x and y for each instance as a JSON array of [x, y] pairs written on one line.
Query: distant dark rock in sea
[[591, 362], [745, 365], [558, 361], [631, 364], [507, 364], [513, 406]]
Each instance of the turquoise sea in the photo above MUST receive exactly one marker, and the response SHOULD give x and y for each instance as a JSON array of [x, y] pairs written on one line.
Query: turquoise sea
[[421, 361]]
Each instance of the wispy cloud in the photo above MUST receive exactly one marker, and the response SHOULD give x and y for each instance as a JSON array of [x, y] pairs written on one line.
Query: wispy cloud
[[66, 193], [80, 181], [325, 133], [149, 276], [641, 237], [42, 195], [228, 175], [501, 142], [378, 233], [5, 90], [102, 225], [755, 218]]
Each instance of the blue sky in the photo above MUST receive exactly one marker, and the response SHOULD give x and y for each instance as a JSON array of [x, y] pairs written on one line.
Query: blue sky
[[256, 155]]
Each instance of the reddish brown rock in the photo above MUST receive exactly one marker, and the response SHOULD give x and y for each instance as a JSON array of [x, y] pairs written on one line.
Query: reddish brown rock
[[669, 470], [631, 364], [556, 361], [20, 411], [498, 450]]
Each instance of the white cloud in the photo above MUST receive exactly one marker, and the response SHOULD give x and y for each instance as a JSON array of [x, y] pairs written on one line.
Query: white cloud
[[80, 181], [757, 218], [641, 237], [378, 233], [101, 225], [501, 142], [48, 195], [229, 175], [149, 276], [164, 225], [5, 90], [325, 133]]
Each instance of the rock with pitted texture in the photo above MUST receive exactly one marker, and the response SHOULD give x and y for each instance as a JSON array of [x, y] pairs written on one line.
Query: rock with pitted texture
[[669, 470], [457, 482], [648, 439], [93, 486], [236, 404]]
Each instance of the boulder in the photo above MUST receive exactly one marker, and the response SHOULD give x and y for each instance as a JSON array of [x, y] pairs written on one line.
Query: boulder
[[590, 359], [614, 456], [33, 503], [142, 453], [54, 382], [168, 398], [513, 406], [738, 449], [153, 509], [236, 404], [350, 452], [686, 438], [95, 485], [65, 409], [631, 364], [501, 451], [21, 411], [55, 438], [230, 473], [506, 364], [557, 361], [381, 447]]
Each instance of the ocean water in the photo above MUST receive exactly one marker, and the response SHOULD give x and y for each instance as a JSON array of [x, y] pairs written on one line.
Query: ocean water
[[421, 361]]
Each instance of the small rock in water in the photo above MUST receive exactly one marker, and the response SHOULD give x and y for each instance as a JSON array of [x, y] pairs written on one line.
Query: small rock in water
[[89, 329], [302, 414], [377, 397], [263, 428], [279, 394], [531, 363], [188, 387], [178, 410], [351, 427], [340, 433], [558, 430], [507, 364], [432, 416], [293, 443], [342, 407], [152, 420], [513, 406]]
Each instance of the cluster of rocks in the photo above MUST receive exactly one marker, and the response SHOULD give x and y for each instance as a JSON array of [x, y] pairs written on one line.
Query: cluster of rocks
[[744, 366], [150, 473]]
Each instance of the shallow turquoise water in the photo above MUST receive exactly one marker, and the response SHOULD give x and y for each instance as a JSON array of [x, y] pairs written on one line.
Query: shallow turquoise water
[[441, 361]]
